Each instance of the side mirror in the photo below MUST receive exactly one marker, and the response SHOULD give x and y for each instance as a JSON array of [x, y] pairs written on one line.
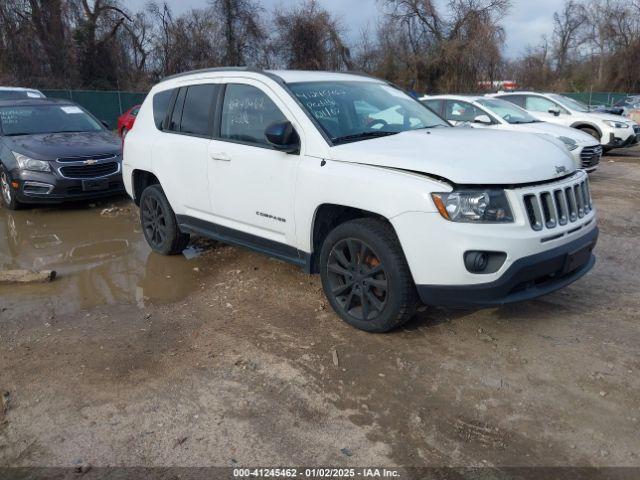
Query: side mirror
[[555, 111], [484, 119], [106, 124], [283, 137]]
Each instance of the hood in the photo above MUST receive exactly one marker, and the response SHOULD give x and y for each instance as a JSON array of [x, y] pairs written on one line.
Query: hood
[[49, 146], [557, 131], [609, 116], [464, 155]]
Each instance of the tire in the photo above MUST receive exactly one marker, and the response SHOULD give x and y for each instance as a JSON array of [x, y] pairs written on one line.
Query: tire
[[6, 194], [362, 259], [159, 224], [591, 131]]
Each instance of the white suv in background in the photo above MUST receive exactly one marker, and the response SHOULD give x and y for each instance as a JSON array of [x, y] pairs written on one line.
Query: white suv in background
[[612, 131], [494, 113], [349, 177]]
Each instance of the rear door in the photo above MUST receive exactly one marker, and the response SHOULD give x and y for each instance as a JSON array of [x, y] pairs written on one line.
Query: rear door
[[181, 150]]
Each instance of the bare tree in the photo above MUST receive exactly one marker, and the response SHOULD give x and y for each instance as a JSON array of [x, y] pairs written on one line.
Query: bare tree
[[568, 32], [242, 31]]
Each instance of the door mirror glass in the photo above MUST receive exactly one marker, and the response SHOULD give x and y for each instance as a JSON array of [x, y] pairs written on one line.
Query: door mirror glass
[[483, 119], [283, 137], [555, 111]]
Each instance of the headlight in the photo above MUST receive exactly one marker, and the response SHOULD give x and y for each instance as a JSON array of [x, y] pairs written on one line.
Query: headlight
[[614, 124], [26, 163], [488, 206], [570, 143]]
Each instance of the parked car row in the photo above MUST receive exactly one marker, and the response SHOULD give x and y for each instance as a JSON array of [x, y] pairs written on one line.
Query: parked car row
[[343, 175]]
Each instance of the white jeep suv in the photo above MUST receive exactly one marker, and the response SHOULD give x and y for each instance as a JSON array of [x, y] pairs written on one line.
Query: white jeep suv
[[349, 177], [498, 114], [612, 131]]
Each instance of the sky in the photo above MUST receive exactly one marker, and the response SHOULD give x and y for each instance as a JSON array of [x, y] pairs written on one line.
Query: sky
[[527, 21]]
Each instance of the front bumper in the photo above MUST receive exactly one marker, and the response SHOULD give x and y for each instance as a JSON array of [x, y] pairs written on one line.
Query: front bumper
[[52, 188], [527, 278], [623, 138]]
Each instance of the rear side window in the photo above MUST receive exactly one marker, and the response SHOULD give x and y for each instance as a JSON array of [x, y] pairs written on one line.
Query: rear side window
[[160, 106], [196, 113], [246, 113], [176, 115], [515, 99], [435, 105]]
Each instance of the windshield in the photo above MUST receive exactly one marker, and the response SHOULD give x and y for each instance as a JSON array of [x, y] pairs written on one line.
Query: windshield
[[350, 111], [35, 119], [508, 111], [571, 103], [19, 94]]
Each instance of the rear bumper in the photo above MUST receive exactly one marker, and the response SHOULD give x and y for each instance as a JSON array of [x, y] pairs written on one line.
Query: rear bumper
[[527, 278]]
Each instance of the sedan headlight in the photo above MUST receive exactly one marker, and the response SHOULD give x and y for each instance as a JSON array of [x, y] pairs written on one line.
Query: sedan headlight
[[570, 143], [614, 124], [26, 163], [485, 206]]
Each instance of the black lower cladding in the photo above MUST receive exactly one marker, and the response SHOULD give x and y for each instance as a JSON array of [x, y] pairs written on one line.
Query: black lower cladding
[[527, 278], [235, 237]]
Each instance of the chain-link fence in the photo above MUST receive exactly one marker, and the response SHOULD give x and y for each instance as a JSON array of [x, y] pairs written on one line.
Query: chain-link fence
[[104, 105], [599, 98]]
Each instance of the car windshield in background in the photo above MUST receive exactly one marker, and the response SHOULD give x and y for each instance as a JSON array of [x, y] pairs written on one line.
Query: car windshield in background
[[508, 111], [571, 103], [351, 111], [19, 95], [37, 119]]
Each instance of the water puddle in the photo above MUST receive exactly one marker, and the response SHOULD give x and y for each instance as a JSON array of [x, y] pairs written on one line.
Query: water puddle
[[99, 253]]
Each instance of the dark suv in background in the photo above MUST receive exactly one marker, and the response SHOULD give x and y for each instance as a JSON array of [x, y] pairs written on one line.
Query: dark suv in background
[[54, 150]]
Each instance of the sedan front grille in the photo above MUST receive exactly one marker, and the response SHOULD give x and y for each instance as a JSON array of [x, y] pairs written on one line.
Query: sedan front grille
[[90, 171], [558, 206], [590, 156]]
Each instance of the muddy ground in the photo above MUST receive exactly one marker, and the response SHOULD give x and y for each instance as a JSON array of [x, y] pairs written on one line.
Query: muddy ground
[[224, 357]]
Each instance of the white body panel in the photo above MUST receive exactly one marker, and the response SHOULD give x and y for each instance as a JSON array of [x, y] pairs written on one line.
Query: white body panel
[[230, 184]]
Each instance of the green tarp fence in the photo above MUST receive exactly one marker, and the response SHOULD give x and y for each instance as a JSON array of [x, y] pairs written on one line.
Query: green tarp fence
[[598, 98], [104, 105], [109, 105]]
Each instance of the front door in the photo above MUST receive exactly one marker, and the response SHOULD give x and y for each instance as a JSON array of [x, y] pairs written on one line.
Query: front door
[[252, 184]]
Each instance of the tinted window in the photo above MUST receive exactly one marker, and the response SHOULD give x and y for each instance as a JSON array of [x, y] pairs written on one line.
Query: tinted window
[[198, 104], [35, 119], [515, 99], [435, 105], [176, 115], [246, 113], [160, 106], [457, 111]]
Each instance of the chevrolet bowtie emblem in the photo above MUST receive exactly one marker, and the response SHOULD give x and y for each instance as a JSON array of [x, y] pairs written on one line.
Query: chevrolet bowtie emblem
[[91, 161]]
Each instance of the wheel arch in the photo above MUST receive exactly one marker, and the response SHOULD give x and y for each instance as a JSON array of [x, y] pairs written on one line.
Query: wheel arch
[[581, 124], [328, 216], [141, 179]]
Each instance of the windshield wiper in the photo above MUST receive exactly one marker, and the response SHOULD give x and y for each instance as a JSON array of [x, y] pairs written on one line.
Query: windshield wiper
[[362, 136]]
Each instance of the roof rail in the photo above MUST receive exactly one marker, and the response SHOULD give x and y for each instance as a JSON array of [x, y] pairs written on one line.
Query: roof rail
[[214, 69]]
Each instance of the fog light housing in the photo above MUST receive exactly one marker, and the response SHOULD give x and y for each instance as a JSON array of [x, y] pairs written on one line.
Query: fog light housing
[[484, 262]]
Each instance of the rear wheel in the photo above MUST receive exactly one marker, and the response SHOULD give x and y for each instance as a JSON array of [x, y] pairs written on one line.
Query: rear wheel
[[366, 277], [159, 223], [8, 196]]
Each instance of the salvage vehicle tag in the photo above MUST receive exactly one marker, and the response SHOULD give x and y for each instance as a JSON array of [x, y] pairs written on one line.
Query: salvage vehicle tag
[[95, 184]]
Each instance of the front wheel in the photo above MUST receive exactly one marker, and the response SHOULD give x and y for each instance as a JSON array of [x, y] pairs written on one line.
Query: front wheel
[[8, 196], [365, 276], [591, 131], [159, 223]]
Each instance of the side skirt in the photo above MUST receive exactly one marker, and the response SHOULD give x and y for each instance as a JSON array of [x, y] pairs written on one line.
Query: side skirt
[[231, 236]]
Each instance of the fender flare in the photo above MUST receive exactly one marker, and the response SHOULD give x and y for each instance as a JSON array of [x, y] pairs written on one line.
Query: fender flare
[[587, 124]]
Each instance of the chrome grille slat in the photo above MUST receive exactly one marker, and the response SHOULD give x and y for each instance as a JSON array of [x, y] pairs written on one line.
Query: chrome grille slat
[[558, 205]]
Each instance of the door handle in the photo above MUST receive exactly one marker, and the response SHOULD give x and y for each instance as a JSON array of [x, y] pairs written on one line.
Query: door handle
[[220, 156]]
